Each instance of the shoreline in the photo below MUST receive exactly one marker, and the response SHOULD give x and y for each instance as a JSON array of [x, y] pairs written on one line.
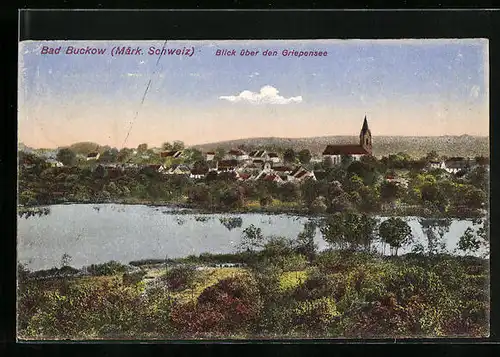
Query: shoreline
[[182, 208]]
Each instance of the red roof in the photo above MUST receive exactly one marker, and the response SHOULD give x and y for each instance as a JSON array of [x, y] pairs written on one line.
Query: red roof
[[245, 176], [345, 150]]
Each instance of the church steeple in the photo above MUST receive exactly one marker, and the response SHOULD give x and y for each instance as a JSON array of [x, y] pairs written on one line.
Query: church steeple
[[365, 136]]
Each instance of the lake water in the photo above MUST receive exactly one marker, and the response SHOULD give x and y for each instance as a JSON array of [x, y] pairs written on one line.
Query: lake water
[[99, 233]]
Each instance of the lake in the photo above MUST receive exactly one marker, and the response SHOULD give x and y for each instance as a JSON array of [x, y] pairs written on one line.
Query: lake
[[99, 233]]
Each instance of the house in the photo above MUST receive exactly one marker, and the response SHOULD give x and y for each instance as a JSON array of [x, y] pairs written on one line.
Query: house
[[399, 181], [271, 178], [236, 154], [259, 155], [282, 170], [157, 168], [93, 156], [273, 157], [356, 151], [433, 165], [227, 165], [178, 170], [198, 173], [209, 156], [300, 174], [174, 154], [456, 164], [54, 163]]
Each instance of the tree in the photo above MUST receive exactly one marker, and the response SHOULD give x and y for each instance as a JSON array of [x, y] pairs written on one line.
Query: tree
[[252, 239], [124, 154], [142, 148], [289, 155], [396, 233], [109, 155], [390, 191], [328, 162], [346, 160], [166, 146], [305, 240], [432, 156], [66, 156], [65, 260], [219, 153], [349, 230], [289, 192], [178, 145], [431, 226], [304, 156], [469, 241], [194, 155]]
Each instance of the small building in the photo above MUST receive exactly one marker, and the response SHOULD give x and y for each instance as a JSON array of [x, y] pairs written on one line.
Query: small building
[[236, 154], [456, 164], [93, 156], [54, 163], [157, 168], [209, 156], [198, 173], [227, 165], [300, 174], [174, 154], [273, 157], [433, 165], [178, 170], [259, 155]]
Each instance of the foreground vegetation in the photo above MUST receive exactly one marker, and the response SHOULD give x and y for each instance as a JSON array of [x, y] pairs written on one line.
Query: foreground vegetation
[[279, 289]]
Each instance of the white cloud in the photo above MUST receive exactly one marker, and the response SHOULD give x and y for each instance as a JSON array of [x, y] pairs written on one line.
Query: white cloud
[[133, 75], [267, 95], [254, 74], [474, 91]]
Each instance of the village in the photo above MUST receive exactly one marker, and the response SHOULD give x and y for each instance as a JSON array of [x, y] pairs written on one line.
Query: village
[[255, 165]]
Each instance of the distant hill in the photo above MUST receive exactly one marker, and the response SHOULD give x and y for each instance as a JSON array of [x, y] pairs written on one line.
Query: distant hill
[[416, 146], [85, 147]]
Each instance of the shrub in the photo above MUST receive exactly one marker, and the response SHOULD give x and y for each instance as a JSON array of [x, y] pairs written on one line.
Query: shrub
[[102, 308], [228, 307], [181, 277], [109, 268], [315, 316]]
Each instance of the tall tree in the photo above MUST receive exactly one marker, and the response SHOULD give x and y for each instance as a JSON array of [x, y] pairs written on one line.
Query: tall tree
[[395, 232], [178, 145], [66, 156], [142, 148], [304, 156], [349, 230], [289, 155], [166, 146]]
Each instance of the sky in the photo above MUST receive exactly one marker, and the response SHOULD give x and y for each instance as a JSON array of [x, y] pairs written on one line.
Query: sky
[[404, 87]]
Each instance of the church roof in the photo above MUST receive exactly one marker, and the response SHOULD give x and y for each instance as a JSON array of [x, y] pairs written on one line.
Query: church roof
[[345, 150]]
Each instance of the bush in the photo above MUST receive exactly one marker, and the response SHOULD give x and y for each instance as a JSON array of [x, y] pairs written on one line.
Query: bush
[[109, 268], [315, 316], [181, 277], [229, 307], [102, 308]]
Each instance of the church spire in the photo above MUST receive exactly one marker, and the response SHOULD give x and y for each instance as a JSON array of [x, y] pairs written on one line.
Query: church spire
[[365, 128]]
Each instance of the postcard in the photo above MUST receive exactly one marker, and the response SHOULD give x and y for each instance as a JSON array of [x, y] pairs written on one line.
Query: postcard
[[263, 189]]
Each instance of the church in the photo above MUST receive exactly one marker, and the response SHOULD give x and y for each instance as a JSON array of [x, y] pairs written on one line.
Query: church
[[356, 151]]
